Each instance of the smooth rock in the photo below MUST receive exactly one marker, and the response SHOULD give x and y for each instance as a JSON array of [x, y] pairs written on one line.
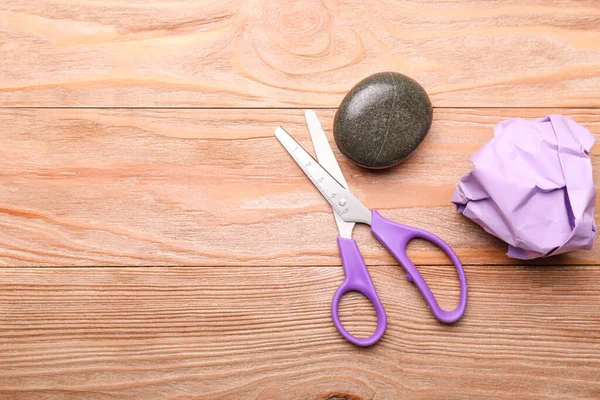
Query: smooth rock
[[382, 120]]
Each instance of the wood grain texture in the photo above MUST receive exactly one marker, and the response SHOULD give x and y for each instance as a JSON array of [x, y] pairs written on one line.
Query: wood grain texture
[[277, 53], [213, 190], [180, 187], [265, 333]]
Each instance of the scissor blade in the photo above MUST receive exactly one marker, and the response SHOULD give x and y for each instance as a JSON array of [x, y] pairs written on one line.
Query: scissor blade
[[327, 159], [344, 204], [322, 148]]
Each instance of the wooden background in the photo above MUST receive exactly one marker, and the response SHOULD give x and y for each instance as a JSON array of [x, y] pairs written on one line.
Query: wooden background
[[156, 242]]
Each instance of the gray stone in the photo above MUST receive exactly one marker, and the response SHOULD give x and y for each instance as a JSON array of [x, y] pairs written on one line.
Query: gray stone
[[382, 120]]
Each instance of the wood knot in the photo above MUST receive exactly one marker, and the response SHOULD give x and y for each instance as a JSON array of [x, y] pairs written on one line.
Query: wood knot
[[303, 23], [340, 396]]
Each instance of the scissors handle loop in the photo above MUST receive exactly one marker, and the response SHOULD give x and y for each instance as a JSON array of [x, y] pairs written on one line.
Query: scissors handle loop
[[358, 280], [395, 238]]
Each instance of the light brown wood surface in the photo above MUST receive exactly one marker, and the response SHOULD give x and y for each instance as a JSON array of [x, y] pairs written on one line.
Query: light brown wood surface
[[178, 333], [175, 187], [281, 53], [185, 256]]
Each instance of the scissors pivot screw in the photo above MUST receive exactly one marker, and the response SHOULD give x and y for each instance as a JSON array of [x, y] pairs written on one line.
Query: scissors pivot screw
[[342, 202]]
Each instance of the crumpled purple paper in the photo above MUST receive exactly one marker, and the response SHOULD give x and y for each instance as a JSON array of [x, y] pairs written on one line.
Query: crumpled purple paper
[[532, 187]]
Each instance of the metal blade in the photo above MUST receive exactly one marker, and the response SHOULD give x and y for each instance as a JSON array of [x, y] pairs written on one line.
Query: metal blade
[[327, 159], [322, 148], [344, 204]]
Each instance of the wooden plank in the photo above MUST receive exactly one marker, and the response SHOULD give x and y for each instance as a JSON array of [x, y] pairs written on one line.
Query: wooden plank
[[262, 53], [200, 187], [265, 332]]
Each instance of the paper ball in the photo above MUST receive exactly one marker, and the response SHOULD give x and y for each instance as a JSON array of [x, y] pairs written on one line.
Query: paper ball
[[532, 187]]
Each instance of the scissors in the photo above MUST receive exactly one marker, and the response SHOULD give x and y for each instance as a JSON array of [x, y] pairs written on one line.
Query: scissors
[[327, 176]]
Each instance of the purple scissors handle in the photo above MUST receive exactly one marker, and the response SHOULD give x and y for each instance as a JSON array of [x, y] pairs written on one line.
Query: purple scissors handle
[[395, 238], [358, 280]]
